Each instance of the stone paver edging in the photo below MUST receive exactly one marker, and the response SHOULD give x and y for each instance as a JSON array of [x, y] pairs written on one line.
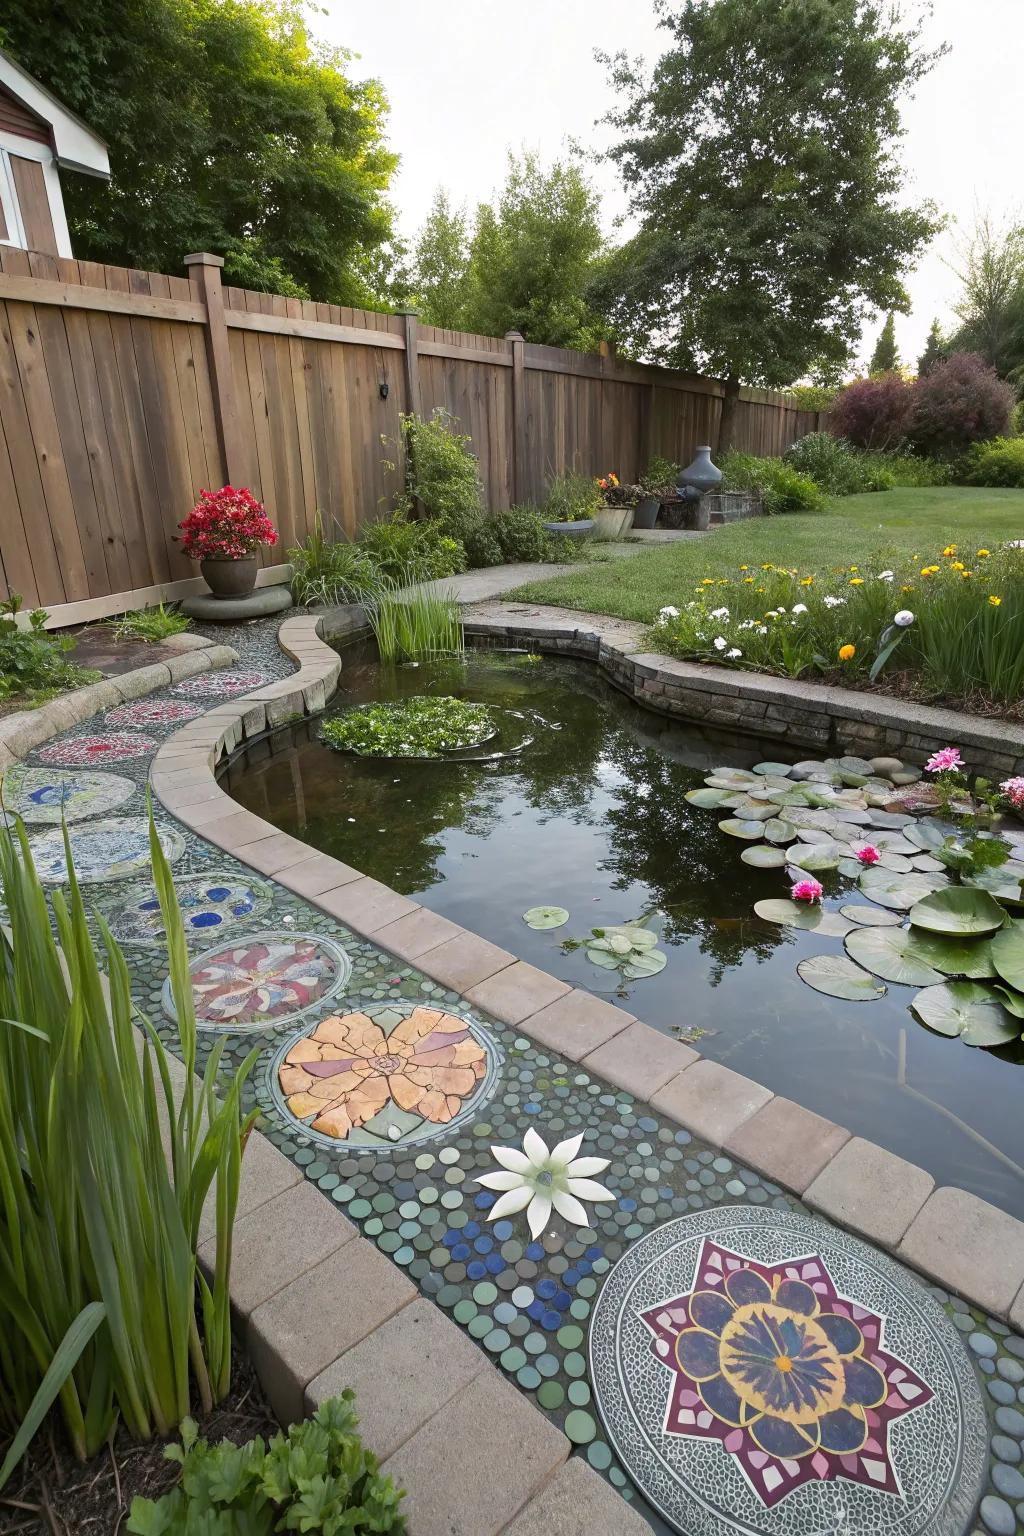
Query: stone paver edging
[[454, 1407]]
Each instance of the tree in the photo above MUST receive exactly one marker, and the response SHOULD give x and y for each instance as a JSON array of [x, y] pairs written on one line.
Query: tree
[[991, 305], [761, 159], [961, 401], [229, 131], [442, 262], [532, 257], [935, 350], [885, 358]]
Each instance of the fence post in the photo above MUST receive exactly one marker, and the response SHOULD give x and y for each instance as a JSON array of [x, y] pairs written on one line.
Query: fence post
[[206, 269], [518, 415], [412, 361]]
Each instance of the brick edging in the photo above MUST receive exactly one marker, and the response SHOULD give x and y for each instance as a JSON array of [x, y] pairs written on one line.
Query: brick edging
[[954, 1237]]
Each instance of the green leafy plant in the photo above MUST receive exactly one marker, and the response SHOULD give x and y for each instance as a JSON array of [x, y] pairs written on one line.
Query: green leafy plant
[[316, 1477], [515, 536], [834, 464], [660, 476], [328, 571], [409, 624], [413, 727], [153, 624], [997, 462], [404, 549], [782, 488], [33, 662], [572, 498], [96, 1213], [441, 472]]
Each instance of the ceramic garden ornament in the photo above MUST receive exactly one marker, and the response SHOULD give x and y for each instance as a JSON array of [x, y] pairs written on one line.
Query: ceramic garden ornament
[[539, 1180]]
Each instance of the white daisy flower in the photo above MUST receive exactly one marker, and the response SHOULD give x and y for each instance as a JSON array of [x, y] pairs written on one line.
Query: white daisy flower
[[539, 1180], [799, 607], [719, 613], [734, 654], [719, 643], [885, 575], [668, 612]]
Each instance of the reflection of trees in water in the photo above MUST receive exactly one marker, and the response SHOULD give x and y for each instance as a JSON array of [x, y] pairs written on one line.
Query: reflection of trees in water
[[657, 838]]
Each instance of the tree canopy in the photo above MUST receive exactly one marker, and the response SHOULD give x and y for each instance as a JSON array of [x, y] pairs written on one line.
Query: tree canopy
[[991, 303], [885, 358], [442, 262], [229, 131], [761, 160], [935, 350]]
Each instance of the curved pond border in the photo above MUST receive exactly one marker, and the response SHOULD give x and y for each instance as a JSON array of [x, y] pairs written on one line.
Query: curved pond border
[[952, 1236]]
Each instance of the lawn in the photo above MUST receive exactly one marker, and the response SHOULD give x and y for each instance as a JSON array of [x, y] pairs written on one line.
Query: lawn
[[887, 524]]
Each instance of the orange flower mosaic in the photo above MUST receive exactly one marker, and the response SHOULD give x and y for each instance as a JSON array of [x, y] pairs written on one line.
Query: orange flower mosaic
[[348, 1069]]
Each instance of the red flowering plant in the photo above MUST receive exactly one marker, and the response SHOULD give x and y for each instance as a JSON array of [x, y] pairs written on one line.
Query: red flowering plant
[[229, 524]]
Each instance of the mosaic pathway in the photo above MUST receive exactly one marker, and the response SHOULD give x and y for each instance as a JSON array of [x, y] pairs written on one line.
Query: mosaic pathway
[[726, 1361]]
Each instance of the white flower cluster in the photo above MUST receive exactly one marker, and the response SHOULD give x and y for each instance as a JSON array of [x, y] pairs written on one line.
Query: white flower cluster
[[833, 602]]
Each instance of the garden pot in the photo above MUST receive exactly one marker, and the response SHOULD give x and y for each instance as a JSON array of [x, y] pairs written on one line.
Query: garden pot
[[581, 529], [230, 578], [702, 475], [645, 514], [610, 521]]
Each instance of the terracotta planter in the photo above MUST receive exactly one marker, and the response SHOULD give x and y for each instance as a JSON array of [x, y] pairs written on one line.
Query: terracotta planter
[[230, 578]]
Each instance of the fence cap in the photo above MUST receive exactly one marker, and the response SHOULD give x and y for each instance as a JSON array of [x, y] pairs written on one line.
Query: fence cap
[[203, 259]]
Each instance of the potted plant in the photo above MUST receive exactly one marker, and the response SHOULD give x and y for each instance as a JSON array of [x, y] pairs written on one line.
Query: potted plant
[[571, 505], [616, 512], [223, 532], [658, 481]]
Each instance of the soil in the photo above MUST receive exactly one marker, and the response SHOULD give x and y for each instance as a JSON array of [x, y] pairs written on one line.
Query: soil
[[52, 1494]]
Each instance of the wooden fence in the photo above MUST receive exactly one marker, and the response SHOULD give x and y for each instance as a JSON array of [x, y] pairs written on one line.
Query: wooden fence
[[124, 393]]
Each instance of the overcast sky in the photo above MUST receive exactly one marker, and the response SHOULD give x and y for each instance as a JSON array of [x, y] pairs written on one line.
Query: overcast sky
[[471, 78]]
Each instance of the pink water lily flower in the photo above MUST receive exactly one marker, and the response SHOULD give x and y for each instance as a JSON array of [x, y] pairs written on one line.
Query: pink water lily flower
[[1013, 789], [944, 761], [869, 854], [807, 890]]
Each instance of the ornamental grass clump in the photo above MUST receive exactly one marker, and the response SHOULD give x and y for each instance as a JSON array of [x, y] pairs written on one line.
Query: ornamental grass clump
[[410, 624], [104, 1174], [413, 727]]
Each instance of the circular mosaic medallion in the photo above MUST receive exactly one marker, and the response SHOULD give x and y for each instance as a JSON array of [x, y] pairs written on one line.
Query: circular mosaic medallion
[[388, 1074], [50, 794], [152, 712], [111, 849], [264, 980], [232, 680], [761, 1372], [113, 747], [210, 904]]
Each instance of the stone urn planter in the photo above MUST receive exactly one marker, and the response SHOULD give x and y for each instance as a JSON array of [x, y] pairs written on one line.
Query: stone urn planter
[[230, 578], [645, 514], [582, 528], [611, 522]]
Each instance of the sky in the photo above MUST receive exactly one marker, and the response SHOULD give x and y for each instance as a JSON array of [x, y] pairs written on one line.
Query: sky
[[471, 79]]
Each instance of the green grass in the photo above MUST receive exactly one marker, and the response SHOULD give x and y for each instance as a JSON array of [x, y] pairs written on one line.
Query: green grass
[[890, 524]]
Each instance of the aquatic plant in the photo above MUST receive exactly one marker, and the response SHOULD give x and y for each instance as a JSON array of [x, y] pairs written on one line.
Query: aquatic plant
[[410, 624], [413, 727]]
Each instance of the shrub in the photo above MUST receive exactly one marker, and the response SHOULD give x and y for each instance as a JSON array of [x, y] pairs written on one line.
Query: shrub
[[98, 1224], [317, 1477], [521, 534], [571, 498], [441, 472], [32, 661], [960, 402], [405, 549], [482, 545], [229, 524], [782, 488], [814, 397], [326, 571], [901, 468], [661, 475], [998, 462], [153, 624], [834, 465], [872, 413]]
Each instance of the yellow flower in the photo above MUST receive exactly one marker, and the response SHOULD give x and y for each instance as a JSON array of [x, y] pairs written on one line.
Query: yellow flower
[[958, 565], [853, 567], [950, 549], [744, 567], [995, 601], [759, 589], [708, 581], [906, 588], [856, 581], [928, 570], [767, 566], [984, 553], [965, 574], [748, 581], [847, 652], [807, 581]]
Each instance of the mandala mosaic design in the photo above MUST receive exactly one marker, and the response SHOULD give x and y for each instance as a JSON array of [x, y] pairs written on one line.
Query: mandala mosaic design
[[109, 849], [210, 904], [265, 980], [53, 794], [758, 1371], [153, 712], [232, 680], [398, 1074], [112, 747]]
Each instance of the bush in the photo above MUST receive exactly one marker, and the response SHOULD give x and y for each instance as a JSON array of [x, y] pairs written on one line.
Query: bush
[[441, 472], [572, 498], [326, 571], [960, 402], [813, 397], [482, 545], [834, 465], [998, 462], [406, 549], [661, 475], [782, 488], [901, 468], [872, 413], [317, 1477], [521, 534], [32, 661], [152, 624]]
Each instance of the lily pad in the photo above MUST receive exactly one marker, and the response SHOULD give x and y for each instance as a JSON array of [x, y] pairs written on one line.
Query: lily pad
[[838, 976], [1007, 951], [925, 862], [895, 862], [890, 821], [634, 934], [764, 856], [959, 910], [707, 799], [817, 858], [649, 963], [777, 830], [893, 842], [749, 830], [749, 809], [966, 1009], [870, 917], [772, 769], [1004, 883], [900, 892], [849, 868], [890, 953], [1011, 999], [805, 915], [925, 835], [545, 917], [956, 957], [815, 835], [603, 957]]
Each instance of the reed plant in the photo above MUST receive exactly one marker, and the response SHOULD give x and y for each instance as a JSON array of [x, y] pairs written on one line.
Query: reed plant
[[411, 624], [103, 1177], [327, 571]]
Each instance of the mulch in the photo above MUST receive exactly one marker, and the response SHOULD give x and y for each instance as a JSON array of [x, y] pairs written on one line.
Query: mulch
[[52, 1494]]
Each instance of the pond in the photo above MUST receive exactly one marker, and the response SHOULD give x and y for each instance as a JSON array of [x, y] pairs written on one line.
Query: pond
[[585, 809]]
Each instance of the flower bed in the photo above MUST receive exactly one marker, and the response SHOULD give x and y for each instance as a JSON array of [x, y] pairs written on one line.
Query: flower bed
[[948, 626]]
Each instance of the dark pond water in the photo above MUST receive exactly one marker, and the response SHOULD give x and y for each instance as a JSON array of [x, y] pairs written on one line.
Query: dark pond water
[[589, 814]]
